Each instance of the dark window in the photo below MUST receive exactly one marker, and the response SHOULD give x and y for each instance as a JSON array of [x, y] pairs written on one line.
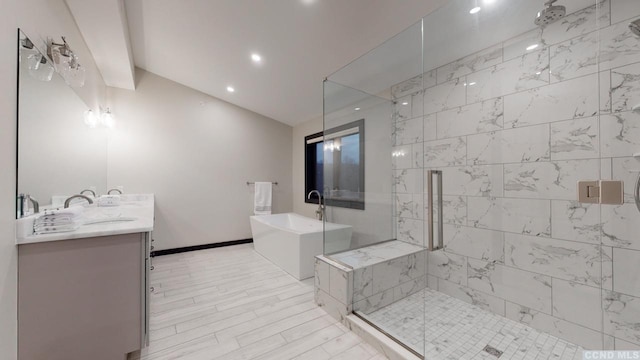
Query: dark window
[[340, 153], [313, 154]]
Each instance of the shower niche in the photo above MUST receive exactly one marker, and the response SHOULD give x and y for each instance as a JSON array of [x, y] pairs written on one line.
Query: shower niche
[[481, 119]]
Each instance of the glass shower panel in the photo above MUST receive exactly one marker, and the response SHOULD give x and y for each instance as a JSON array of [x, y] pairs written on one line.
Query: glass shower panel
[[369, 115], [510, 115], [511, 121], [357, 169], [619, 69]]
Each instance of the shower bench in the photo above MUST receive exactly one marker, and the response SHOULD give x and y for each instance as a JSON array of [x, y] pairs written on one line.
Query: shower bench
[[369, 278]]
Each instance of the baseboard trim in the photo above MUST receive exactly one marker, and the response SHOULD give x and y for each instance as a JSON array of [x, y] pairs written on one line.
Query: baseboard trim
[[199, 247]]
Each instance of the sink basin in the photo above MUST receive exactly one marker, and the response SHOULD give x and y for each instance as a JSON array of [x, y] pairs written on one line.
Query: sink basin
[[108, 220]]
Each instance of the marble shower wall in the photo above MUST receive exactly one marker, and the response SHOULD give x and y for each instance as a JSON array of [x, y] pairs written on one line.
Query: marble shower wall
[[513, 130]]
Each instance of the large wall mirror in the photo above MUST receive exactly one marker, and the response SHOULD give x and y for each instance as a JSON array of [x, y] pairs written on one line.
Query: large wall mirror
[[58, 155]]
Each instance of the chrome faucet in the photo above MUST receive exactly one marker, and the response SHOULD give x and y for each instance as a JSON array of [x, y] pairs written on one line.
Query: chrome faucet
[[114, 189], [89, 190], [34, 202], [66, 202], [320, 211]]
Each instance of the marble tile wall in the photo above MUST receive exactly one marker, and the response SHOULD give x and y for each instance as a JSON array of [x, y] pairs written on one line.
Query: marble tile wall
[[386, 282], [513, 130], [371, 282], [333, 288]]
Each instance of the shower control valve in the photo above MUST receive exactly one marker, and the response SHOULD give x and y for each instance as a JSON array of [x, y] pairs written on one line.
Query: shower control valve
[[601, 192]]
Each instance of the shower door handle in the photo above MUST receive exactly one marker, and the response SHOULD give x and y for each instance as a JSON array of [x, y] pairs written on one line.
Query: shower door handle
[[438, 174], [636, 192]]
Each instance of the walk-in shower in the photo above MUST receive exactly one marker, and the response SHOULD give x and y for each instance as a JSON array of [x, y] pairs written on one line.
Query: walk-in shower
[[469, 239]]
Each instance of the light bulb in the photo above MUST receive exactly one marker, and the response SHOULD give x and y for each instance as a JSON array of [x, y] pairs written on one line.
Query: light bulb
[[107, 119], [39, 68], [90, 119]]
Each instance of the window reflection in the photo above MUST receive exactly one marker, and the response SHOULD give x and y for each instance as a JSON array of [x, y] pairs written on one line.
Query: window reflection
[[334, 165]]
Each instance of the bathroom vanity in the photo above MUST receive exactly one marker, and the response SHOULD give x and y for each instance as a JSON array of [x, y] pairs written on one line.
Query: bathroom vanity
[[85, 294]]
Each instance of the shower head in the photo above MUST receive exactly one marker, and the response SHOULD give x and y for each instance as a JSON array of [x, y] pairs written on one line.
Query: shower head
[[551, 13], [634, 26]]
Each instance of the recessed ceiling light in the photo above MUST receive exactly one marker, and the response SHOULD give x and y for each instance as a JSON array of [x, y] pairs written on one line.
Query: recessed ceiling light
[[531, 47], [472, 83], [475, 10], [405, 103], [230, 89], [356, 109], [539, 72], [256, 58]]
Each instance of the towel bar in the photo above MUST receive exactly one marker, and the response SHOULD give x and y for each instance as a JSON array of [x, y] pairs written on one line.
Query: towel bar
[[251, 183]]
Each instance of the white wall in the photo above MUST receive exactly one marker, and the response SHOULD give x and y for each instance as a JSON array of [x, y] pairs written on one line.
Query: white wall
[[195, 153], [38, 18], [299, 132]]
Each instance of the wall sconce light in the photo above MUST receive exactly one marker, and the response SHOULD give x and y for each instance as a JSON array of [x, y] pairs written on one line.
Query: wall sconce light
[[66, 62], [104, 119], [90, 119], [332, 145], [107, 119], [38, 66]]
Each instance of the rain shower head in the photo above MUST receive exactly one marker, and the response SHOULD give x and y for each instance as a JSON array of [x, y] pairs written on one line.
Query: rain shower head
[[551, 13], [634, 26]]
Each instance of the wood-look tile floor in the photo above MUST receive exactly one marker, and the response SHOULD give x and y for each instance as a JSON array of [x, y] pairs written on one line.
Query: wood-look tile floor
[[231, 303]]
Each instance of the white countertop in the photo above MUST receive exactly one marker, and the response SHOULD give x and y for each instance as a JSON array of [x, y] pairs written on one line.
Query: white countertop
[[139, 206]]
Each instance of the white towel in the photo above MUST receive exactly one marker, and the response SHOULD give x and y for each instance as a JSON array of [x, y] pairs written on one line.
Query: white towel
[[54, 229], [58, 220], [262, 200], [71, 211]]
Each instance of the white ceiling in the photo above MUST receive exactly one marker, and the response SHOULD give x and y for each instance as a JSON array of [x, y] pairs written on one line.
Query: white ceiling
[[206, 45]]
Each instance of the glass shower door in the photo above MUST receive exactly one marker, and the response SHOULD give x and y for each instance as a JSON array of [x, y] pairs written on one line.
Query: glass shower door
[[512, 113], [619, 67], [386, 249]]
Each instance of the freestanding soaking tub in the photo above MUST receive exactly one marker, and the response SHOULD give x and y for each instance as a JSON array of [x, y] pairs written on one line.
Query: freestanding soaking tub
[[291, 241]]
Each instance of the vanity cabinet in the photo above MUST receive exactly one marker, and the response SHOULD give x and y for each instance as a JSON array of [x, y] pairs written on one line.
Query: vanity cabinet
[[85, 298]]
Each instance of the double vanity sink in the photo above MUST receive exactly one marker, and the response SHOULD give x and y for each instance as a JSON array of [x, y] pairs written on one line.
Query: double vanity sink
[[133, 215], [84, 294]]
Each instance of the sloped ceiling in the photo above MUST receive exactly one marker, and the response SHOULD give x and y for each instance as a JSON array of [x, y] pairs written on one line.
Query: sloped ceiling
[[206, 45]]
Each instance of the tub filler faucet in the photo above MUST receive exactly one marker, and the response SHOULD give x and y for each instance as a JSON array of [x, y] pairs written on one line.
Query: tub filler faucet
[[320, 211]]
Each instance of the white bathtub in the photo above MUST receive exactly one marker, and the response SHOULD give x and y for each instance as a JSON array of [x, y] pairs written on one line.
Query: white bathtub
[[291, 241]]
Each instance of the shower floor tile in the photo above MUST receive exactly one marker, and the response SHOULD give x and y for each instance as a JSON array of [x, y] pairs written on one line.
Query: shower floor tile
[[459, 330]]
